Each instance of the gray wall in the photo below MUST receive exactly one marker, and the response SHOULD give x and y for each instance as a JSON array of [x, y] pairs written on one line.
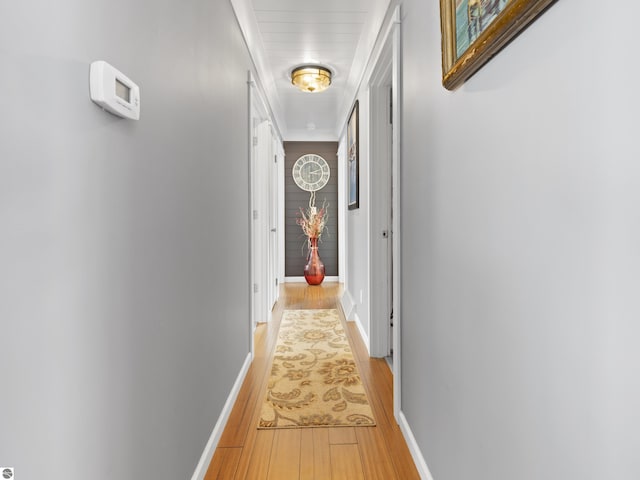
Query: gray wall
[[124, 312], [357, 226], [295, 241], [521, 250]]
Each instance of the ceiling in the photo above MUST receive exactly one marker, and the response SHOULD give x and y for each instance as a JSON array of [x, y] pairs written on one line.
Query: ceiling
[[282, 34]]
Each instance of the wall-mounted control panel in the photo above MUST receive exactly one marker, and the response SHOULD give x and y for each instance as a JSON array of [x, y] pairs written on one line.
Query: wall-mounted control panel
[[114, 91]]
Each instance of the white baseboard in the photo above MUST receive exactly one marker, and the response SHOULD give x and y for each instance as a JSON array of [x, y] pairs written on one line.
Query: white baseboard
[[294, 279], [302, 280], [207, 455], [418, 459], [347, 303], [363, 334]]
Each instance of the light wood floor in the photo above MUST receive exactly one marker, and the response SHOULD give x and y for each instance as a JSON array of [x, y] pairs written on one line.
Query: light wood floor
[[348, 453]]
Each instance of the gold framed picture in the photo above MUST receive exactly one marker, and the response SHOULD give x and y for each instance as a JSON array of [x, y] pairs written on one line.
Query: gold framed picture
[[473, 31]]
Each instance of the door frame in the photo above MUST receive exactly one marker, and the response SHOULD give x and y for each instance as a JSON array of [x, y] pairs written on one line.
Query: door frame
[[263, 141], [275, 224], [380, 226], [387, 66]]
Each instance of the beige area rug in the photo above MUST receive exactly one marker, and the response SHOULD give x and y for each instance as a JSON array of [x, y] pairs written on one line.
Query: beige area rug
[[314, 380]]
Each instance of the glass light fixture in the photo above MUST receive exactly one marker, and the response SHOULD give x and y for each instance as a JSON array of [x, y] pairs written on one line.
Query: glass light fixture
[[311, 78]]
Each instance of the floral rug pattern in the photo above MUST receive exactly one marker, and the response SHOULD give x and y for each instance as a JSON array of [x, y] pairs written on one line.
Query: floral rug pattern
[[314, 381]]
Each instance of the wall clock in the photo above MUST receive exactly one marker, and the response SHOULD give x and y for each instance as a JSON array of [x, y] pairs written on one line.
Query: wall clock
[[311, 172]]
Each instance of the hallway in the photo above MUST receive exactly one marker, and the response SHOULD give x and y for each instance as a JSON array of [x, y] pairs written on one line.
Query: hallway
[[128, 246], [244, 452]]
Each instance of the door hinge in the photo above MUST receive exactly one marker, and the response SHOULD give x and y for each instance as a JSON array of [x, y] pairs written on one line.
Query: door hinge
[[275, 159], [255, 214], [255, 141], [255, 288]]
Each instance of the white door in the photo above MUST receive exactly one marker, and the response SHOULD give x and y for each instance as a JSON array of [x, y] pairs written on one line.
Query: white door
[[262, 156], [274, 230], [381, 233], [381, 220]]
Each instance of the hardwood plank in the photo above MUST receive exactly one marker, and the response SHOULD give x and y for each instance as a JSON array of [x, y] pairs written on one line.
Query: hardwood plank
[[230, 464], [321, 454], [346, 463], [342, 435], [301, 295], [216, 464], [285, 455], [256, 465], [306, 455], [224, 464], [380, 372], [376, 460]]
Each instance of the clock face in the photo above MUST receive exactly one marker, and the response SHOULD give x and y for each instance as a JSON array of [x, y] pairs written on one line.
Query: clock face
[[311, 172]]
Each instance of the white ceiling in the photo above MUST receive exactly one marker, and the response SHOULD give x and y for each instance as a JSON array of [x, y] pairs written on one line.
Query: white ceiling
[[282, 34]]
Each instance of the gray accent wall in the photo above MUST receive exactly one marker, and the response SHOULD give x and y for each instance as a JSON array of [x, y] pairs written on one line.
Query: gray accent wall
[[295, 240], [521, 250], [124, 266]]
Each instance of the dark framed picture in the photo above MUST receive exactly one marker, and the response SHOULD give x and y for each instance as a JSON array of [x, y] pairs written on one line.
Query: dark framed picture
[[353, 159], [473, 31]]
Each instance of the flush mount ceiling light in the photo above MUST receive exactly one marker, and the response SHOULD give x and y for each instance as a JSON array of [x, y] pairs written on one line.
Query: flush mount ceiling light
[[311, 78]]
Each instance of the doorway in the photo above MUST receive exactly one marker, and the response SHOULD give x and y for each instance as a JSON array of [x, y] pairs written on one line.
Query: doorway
[[265, 150], [384, 225], [381, 231]]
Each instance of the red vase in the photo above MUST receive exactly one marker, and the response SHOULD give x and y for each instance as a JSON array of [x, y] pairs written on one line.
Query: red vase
[[314, 270]]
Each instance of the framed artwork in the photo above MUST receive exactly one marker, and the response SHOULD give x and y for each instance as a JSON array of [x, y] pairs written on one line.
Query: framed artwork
[[353, 158], [473, 31]]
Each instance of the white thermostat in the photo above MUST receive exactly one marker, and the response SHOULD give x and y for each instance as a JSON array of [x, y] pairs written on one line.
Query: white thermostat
[[114, 91]]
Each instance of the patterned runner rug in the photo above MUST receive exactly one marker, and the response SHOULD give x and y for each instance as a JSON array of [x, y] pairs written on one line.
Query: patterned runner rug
[[314, 381]]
